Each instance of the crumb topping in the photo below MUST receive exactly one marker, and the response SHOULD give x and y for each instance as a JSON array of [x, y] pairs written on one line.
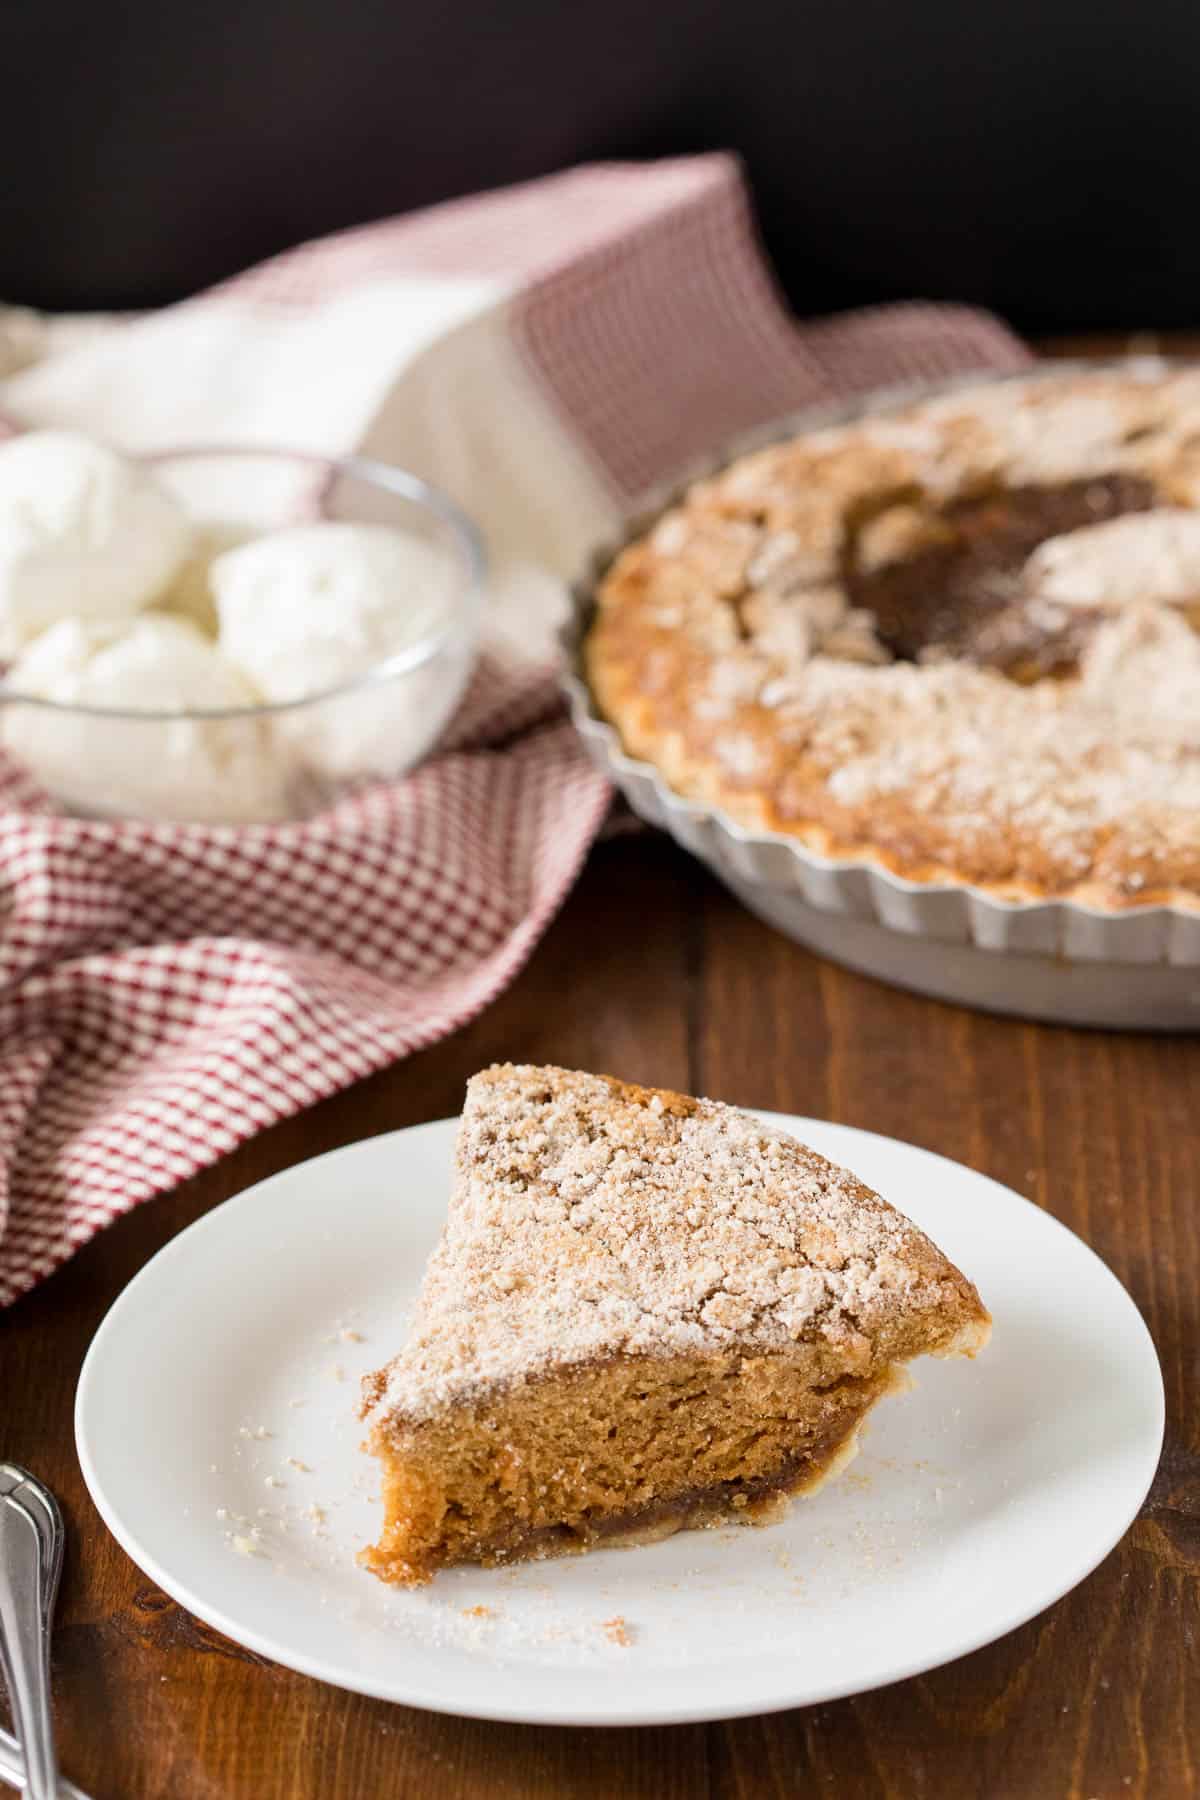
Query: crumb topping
[[591, 1219], [1043, 735]]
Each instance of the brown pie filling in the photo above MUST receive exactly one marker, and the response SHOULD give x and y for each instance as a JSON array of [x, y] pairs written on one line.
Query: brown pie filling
[[960, 642], [625, 1451], [959, 594]]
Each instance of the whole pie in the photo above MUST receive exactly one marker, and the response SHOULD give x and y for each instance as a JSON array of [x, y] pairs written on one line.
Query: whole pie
[[645, 1312], [959, 639]]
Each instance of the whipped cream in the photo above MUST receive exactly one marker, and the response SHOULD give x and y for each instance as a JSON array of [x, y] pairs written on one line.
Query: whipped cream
[[84, 533], [113, 599], [187, 768], [190, 594], [313, 607]]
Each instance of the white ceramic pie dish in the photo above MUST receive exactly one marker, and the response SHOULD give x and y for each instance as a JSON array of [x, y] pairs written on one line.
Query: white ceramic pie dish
[[1057, 960]]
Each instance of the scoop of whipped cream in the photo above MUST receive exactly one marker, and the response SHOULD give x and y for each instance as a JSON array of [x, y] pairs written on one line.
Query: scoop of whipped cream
[[102, 762], [190, 593], [1140, 557], [84, 533], [312, 607]]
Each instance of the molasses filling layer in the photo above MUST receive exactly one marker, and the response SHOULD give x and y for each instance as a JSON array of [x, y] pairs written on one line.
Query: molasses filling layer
[[965, 595], [610, 1456]]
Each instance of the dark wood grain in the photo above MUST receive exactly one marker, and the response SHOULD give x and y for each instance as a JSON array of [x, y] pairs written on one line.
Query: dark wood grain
[[653, 972]]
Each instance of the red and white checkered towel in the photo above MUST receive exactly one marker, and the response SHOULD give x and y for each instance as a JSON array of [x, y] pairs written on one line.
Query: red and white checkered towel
[[545, 353]]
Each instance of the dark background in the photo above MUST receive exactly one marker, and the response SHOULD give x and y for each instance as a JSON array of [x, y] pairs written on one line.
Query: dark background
[[1042, 159]]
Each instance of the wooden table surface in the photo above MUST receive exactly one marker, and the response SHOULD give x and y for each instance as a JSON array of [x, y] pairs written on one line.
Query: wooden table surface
[[652, 972]]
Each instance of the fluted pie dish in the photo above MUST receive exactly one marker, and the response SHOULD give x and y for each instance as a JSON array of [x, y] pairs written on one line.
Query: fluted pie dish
[[935, 669]]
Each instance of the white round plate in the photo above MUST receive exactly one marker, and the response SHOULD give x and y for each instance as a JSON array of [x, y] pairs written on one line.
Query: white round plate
[[216, 1416]]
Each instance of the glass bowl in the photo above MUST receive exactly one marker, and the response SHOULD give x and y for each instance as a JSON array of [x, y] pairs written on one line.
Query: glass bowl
[[267, 762]]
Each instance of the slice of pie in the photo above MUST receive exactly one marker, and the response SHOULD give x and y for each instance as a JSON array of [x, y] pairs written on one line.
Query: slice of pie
[[645, 1312]]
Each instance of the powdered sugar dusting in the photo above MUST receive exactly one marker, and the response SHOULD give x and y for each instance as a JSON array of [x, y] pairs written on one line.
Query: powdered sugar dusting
[[591, 1219], [1065, 765]]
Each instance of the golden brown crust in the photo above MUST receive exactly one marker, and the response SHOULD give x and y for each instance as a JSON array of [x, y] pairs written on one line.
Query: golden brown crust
[[727, 654]]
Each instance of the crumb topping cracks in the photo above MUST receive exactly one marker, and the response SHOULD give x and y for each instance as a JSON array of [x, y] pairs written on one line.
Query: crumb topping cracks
[[592, 1219]]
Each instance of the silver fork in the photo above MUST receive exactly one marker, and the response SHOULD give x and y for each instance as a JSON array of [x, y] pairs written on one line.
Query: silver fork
[[12, 1770], [32, 1538]]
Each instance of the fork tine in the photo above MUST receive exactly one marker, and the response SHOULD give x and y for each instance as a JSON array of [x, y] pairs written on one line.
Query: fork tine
[[31, 1554]]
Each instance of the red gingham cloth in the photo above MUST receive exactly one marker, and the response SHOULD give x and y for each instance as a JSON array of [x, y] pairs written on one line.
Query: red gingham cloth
[[167, 990]]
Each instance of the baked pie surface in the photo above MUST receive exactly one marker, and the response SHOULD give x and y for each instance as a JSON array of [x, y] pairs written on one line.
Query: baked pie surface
[[958, 639], [645, 1312]]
